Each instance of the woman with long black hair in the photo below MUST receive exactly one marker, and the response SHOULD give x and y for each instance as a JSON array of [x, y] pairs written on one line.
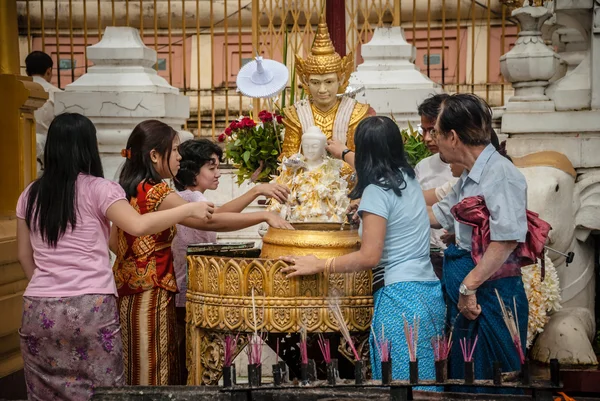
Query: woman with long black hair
[[70, 333], [395, 240]]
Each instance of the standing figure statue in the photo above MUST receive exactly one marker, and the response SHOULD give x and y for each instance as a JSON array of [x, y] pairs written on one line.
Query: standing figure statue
[[324, 76]]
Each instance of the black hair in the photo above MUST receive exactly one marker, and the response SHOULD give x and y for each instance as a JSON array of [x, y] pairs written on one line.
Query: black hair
[[469, 116], [146, 136], [430, 107], [71, 149], [195, 154], [37, 63], [500, 147], [380, 158]]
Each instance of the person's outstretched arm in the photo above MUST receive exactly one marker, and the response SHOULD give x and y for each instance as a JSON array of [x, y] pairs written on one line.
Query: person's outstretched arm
[[278, 192]]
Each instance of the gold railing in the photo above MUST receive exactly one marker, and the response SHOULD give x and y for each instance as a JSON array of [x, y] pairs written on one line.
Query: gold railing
[[204, 43]]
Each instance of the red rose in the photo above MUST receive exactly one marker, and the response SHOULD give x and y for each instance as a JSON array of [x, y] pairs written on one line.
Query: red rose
[[222, 137], [265, 116], [228, 131], [248, 122], [234, 125], [279, 118]]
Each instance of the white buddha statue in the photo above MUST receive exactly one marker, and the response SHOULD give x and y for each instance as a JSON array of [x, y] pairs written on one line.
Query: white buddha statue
[[318, 191]]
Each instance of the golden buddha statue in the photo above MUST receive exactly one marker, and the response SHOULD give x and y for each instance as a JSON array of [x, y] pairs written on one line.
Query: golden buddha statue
[[324, 75]]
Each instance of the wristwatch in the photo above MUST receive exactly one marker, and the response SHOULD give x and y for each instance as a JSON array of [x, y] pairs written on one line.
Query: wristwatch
[[463, 290], [344, 153]]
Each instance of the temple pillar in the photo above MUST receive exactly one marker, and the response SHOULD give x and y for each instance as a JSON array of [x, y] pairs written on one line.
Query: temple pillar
[[20, 97]]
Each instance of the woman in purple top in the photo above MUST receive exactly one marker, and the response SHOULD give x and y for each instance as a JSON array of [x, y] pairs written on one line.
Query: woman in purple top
[[198, 172]]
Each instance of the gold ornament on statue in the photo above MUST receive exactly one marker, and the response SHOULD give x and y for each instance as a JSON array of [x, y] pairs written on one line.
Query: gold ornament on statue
[[324, 60]]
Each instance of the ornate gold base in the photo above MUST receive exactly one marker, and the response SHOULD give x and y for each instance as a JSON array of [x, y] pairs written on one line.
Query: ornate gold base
[[220, 289]]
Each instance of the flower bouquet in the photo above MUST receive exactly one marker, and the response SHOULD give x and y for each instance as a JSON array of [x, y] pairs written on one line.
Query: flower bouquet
[[254, 148]]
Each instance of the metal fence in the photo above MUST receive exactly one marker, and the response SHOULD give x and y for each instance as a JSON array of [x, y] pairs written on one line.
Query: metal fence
[[202, 44]]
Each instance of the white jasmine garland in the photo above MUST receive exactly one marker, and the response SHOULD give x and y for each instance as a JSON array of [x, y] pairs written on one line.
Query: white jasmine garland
[[319, 195], [543, 296]]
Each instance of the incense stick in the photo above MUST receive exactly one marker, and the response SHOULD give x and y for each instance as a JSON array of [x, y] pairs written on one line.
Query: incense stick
[[441, 347], [303, 347], [468, 349], [382, 345], [337, 313], [512, 324], [229, 350], [411, 333], [325, 350]]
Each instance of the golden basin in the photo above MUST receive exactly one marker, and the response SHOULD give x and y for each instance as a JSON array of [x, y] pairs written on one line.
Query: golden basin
[[323, 240], [221, 284]]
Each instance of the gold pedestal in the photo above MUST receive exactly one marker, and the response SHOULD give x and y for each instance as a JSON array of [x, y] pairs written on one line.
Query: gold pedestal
[[220, 288]]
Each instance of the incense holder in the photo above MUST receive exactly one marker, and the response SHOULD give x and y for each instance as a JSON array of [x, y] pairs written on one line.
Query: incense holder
[[285, 374], [525, 373], [413, 371], [469, 372], [312, 370], [359, 374], [227, 377], [555, 372], [386, 373], [304, 373], [254, 374], [497, 373], [441, 371], [277, 375], [331, 373]]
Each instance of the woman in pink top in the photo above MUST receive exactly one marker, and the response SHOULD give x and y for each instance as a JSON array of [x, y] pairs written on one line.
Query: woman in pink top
[[198, 172], [70, 333]]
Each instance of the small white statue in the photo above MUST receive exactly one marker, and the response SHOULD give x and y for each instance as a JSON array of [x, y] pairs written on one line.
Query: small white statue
[[313, 147], [318, 191]]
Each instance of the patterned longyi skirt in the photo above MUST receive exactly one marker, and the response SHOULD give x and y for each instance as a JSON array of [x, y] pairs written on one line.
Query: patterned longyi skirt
[[70, 346], [149, 328]]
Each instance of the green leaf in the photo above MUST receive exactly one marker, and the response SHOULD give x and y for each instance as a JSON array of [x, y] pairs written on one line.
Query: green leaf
[[246, 156]]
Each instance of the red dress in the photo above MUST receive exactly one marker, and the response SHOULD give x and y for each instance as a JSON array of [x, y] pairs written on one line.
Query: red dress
[[145, 262], [145, 280]]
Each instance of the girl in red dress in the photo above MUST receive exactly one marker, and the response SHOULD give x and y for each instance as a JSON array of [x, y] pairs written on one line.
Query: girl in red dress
[[143, 270]]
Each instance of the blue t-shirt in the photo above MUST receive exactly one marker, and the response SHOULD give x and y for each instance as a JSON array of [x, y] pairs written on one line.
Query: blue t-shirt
[[405, 254]]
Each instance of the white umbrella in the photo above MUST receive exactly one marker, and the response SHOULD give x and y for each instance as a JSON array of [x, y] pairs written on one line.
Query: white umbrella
[[262, 78]]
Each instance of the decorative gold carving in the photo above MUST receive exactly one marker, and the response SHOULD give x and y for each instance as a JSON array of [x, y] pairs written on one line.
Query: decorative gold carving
[[362, 283], [232, 281], [308, 286], [337, 283], [255, 282], [272, 292], [213, 278], [281, 319], [281, 285], [219, 297], [208, 349]]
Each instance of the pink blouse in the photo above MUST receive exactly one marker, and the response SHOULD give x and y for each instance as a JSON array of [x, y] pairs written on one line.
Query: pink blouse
[[184, 237]]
